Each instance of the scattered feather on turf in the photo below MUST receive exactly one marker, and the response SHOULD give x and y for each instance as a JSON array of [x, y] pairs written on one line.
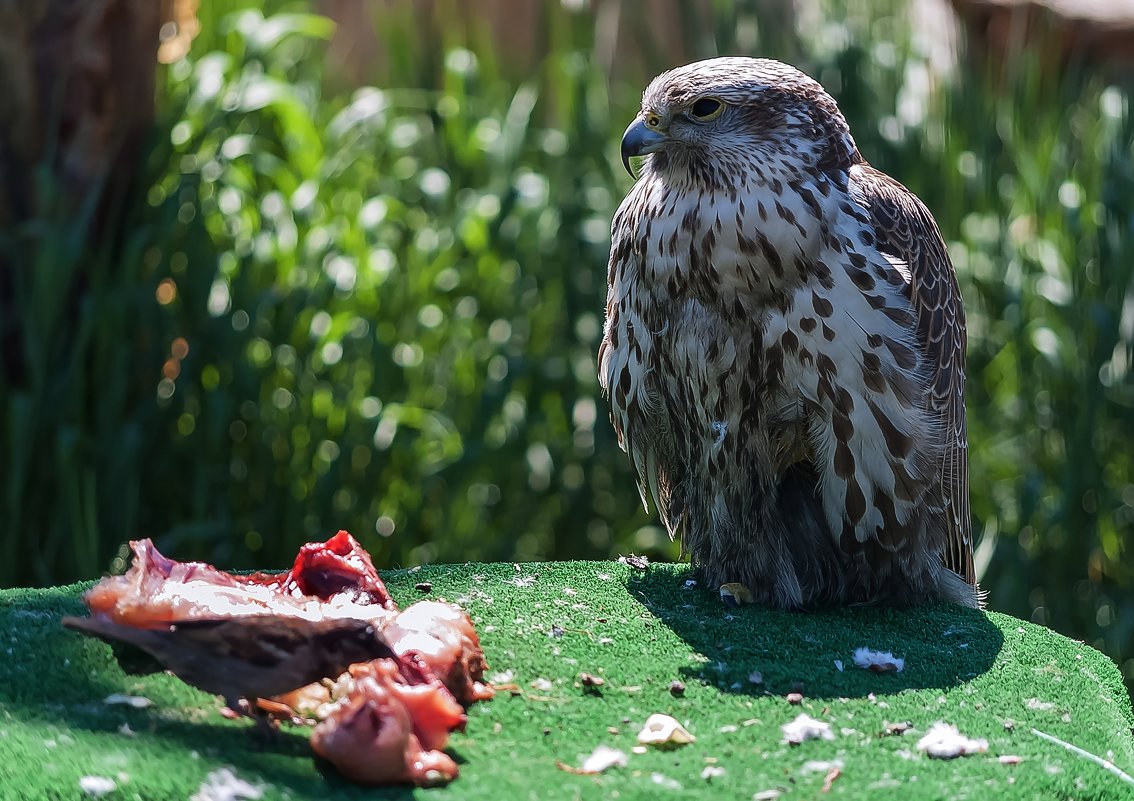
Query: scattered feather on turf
[[805, 727], [712, 772], [878, 661], [97, 786], [136, 701], [1106, 764], [820, 766], [224, 785], [943, 741], [603, 758]]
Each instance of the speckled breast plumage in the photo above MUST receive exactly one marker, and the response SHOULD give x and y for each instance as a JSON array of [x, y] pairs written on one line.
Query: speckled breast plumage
[[768, 355]]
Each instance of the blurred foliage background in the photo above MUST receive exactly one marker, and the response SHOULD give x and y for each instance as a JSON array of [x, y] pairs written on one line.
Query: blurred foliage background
[[356, 281]]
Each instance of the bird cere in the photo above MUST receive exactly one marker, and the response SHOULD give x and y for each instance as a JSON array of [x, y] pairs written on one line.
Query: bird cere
[[784, 348], [322, 644]]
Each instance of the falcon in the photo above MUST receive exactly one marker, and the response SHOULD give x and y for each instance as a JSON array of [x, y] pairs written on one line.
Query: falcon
[[784, 348]]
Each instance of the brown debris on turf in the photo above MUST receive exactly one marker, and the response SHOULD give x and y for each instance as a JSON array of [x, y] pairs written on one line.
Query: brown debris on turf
[[829, 779], [591, 683], [563, 766]]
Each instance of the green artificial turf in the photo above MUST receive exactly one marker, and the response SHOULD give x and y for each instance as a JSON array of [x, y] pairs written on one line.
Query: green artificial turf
[[993, 676]]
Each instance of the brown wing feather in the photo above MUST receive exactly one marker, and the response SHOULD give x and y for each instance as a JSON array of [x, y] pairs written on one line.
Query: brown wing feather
[[905, 229]]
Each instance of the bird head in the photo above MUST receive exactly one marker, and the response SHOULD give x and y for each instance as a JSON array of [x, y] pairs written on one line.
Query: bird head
[[709, 115]]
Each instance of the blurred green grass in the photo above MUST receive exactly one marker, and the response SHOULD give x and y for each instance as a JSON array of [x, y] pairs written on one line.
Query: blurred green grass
[[377, 308]]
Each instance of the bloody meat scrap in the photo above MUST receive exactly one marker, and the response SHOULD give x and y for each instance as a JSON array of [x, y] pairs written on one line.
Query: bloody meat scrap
[[444, 637], [338, 567], [391, 725], [332, 579], [384, 720]]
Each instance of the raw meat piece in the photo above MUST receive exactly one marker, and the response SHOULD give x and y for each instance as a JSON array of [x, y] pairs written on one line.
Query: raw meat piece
[[335, 579], [383, 719], [444, 637], [388, 732]]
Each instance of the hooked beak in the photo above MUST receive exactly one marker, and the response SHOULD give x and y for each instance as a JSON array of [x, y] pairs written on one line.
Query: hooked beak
[[638, 140]]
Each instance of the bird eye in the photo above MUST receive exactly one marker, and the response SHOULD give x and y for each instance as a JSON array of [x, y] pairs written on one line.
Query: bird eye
[[706, 108]]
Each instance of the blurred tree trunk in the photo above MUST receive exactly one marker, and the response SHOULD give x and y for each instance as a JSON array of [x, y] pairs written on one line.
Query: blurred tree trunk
[[1096, 32], [635, 37], [77, 102]]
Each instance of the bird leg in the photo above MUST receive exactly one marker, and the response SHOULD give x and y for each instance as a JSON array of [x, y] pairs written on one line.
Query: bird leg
[[260, 710], [267, 729]]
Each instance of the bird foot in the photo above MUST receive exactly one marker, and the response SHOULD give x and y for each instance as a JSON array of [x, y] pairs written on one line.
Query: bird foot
[[235, 710], [267, 726], [733, 594], [266, 732]]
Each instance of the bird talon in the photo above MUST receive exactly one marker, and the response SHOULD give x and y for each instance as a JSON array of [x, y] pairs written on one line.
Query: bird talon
[[734, 594]]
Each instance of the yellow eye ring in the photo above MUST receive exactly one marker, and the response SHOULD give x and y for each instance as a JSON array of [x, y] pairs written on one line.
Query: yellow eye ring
[[653, 120], [706, 108]]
